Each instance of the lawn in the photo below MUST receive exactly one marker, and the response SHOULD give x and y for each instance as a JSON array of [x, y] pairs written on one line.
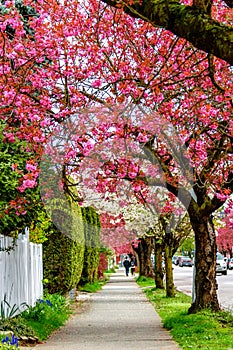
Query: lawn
[[204, 330]]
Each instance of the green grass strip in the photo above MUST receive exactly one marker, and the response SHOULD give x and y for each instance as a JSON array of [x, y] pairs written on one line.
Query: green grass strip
[[92, 287], [204, 330]]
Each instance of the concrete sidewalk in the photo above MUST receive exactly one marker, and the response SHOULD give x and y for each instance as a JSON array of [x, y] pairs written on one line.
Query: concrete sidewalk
[[117, 317]]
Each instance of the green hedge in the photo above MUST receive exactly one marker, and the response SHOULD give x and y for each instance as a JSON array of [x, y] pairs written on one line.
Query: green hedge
[[63, 253], [92, 245]]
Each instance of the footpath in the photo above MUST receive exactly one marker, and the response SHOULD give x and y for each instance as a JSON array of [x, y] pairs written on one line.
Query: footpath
[[117, 317]]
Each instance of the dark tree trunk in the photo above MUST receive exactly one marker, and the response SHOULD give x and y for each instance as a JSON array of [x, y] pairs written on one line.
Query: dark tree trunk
[[170, 243], [144, 251], [158, 266], [205, 285]]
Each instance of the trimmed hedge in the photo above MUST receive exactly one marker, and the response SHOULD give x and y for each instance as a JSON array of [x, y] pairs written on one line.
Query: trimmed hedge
[[92, 245], [63, 253]]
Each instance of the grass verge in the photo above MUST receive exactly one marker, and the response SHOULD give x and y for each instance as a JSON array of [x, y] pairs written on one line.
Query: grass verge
[[49, 314], [38, 321], [204, 330], [92, 287]]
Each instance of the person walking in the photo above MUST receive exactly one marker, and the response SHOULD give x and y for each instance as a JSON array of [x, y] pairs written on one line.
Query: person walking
[[132, 265], [126, 264]]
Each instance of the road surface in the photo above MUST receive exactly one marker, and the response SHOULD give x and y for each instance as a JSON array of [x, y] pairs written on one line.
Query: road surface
[[183, 281]]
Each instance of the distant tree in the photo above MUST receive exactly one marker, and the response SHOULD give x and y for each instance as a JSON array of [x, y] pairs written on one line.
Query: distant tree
[[188, 245], [225, 234]]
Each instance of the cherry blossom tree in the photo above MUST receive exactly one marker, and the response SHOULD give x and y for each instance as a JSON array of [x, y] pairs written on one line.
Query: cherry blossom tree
[[142, 221], [115, 235], [152, 228], [90, 54]]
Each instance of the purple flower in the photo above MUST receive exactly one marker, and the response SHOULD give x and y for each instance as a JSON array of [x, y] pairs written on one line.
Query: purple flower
[[13, 341], [49, 302]]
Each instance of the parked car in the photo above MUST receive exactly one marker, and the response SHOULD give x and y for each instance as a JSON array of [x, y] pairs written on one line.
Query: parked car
[[174, 259], [230, 266], [221, 265], [185, 261]]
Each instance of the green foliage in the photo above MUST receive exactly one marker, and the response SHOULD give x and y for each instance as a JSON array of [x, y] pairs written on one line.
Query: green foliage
[[40, 227], [44, 307], [27, 12], [17, 326], [187, 246], [8, 311], [204, 330], [39, 311], [9, 157], [9, 321], [8, 347], [10, 340], [92, 245], [41, 320], [15, 212], [63, 256], [48, 314], [92, 287], [145, 281], [112, 270]]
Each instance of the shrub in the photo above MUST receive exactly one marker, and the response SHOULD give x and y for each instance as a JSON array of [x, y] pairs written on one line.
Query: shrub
[[38, 321], [39, 311], [47, 315], [92, 245], [63, 256], [7, 347], [44, 308], [17, 326]]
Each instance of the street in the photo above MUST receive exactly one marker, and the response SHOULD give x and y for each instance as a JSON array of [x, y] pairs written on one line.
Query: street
[[183, 282]]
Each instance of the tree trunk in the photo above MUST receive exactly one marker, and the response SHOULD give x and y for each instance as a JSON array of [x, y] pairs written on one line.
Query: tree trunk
[[158, 266], [170, 287], [144, 251], [205, 285]]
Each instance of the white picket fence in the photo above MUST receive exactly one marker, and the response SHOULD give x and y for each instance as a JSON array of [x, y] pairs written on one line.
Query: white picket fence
[[21, 271]]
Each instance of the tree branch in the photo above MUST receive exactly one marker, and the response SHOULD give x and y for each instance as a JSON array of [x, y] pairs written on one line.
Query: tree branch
[[189, 22]]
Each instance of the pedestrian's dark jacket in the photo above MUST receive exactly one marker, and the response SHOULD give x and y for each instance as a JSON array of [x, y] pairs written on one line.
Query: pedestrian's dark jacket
[[126, 263]]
